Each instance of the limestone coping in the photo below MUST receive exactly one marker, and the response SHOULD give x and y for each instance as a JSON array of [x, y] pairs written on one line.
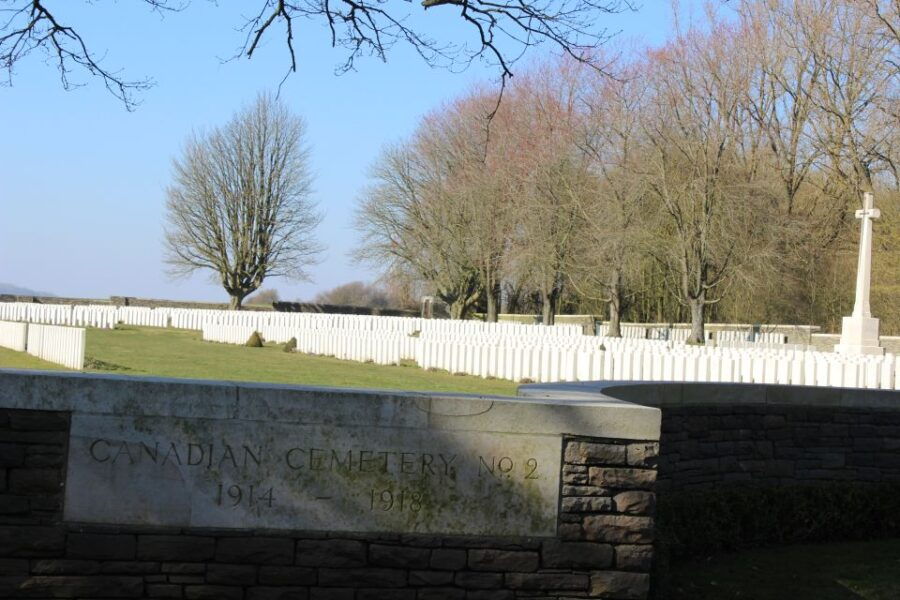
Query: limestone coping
[[655, 393], [547, 414]]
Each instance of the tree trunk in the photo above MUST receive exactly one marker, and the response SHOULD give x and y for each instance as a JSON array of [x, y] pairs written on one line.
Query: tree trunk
[[697, 305], [548, 307], [614, 329], [457, 309], [236, 302], [615, 305], [546, 312], [513, 299], [493, 302]]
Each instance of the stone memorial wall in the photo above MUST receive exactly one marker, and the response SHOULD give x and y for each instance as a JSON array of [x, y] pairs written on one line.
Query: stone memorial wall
[[140, 488]]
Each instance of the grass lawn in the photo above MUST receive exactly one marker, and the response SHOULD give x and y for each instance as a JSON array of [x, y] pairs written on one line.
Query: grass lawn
[[844, 571], [179, 353], [10, 359]]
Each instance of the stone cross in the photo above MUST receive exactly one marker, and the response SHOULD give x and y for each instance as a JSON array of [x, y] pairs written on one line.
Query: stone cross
[[864, 266], [859, 332]]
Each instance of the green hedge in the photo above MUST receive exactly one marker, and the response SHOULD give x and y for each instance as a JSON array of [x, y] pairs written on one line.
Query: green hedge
[[704, 523]]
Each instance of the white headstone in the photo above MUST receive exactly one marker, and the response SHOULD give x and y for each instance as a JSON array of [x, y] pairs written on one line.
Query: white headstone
[[859, 332]]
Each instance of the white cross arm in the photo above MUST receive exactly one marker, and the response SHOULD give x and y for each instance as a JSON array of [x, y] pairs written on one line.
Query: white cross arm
[[872, 213]]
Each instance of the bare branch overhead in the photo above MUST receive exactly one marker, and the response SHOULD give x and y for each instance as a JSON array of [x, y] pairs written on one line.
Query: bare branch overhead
[[498, 32]]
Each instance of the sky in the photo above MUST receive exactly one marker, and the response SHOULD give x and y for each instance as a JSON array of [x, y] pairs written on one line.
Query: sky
[[82, 180]]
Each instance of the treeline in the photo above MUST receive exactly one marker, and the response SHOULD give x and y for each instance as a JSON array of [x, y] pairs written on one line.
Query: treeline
[[713, 177], [381, 294]]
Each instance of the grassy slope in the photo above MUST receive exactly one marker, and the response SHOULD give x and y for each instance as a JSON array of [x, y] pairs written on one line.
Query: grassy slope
[[178, 353], [846, 571], [10, 359]]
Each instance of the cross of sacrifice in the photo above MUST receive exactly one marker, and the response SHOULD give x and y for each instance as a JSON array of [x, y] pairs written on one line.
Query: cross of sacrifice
[[864, 266], [868, 210]]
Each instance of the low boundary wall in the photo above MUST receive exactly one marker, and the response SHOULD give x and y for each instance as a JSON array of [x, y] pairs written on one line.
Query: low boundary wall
[[796, 334], [88, 510], [751, 465], [714, 434], [159, 303], [775, 435], [825, 342]]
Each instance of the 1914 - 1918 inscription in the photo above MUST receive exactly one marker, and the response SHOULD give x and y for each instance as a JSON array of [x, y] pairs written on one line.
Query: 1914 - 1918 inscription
[[250, 474]]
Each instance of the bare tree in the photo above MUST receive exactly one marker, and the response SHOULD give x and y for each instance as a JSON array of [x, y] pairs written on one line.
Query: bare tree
[[693, 129], [550, 224], [851, 128], [885, 19], [616, 218], [355, 293], [779, 98], [552, 177], [417, 213], [499, 31], [495, 189], [709, 180], [490, 237], [402, 289], [264, 297], [240, 204]]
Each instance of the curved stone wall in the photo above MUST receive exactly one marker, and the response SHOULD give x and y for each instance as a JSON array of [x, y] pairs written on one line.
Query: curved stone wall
[[761, 434], [117, 487]]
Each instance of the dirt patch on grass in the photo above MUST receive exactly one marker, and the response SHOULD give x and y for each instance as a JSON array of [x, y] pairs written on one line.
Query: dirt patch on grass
[[101, 365]]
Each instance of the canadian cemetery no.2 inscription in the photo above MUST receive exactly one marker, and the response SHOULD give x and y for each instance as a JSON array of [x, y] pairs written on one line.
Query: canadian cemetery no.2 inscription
[[251, 474]]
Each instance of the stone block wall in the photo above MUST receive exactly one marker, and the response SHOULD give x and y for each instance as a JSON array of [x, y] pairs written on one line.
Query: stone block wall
[[705, 445], [825, 342], [342, 309], [603, 548], [606, 514], [157, 303]]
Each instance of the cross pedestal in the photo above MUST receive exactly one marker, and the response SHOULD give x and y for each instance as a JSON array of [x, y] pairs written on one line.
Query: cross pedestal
[[859, 332], [859, 335]]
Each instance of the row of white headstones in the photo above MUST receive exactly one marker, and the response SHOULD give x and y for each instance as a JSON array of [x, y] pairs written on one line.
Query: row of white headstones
[[735, 338], [53, 343], [509, 351]]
